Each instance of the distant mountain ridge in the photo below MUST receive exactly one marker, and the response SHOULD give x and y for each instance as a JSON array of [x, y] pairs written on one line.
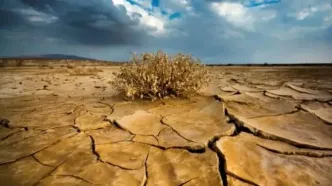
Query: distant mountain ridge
[[50, 56]]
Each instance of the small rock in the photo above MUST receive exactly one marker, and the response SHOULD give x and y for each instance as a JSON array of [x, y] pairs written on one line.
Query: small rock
[[4, 122]]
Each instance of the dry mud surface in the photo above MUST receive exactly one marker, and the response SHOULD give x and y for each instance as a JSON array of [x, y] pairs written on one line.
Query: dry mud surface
[[250, 126]]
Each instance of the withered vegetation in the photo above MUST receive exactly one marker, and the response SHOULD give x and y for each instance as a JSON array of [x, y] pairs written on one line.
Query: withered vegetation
[[157, 75]]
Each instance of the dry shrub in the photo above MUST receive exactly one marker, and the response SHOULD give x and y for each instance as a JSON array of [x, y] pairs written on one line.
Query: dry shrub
[[158, 75], [11, 62], [48, 71], [70, 66], [3, 63]]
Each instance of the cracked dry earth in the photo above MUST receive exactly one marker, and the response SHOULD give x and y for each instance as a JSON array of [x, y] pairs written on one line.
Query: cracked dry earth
[[250, 126]]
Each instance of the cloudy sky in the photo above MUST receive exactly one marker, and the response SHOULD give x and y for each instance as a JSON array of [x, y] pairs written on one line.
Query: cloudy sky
[[216, 31]]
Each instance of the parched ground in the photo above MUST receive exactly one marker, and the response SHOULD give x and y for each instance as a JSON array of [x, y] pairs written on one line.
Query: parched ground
[[250, 126]]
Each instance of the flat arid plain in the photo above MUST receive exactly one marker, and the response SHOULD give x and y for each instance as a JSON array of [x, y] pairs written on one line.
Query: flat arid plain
[[258, 125]]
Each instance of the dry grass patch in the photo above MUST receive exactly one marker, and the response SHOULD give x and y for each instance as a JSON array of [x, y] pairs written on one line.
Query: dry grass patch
[[84, 71], [70, 66], [11, 62], [158, 75]]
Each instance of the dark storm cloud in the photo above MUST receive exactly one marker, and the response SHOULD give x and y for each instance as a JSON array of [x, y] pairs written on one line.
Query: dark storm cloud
[[94, 22], [9, 19], [216, 31]]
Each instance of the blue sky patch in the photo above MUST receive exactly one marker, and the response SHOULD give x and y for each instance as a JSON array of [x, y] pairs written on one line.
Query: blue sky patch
[[133, 2], [149, 10], [175, 15], [155, 3], [254, 3], [163, 12]]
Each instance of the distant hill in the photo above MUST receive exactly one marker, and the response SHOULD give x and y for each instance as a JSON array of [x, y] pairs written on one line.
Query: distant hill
[[63, 56], [52, 59], [50, 56]]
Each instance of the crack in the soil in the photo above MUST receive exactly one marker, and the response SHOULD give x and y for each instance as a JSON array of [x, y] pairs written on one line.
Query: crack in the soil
[[42, 132], [296, 110], [300, 107], [146, 175], [187, 148], [241, 127], [54, 143], [221, 160], [55, 127], [161, 131], [64, 161], [155, 138], [279, 97], [113, 142], [119, 166], [299, 153], [241, 179], [9, 135], [116, 124], [222, 164], [191, 179], [74, 110], [163, 123], [37, 160], [299, 91], [109, 105], [147, 136], [275, 98], [76, 177], [93, 148], [219, 98], [55, 168], [45, 176], [235, 81], [287, 97], [76, 128]]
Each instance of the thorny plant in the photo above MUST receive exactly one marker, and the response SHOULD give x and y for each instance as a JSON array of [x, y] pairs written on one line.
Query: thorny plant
[[154, 76]]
